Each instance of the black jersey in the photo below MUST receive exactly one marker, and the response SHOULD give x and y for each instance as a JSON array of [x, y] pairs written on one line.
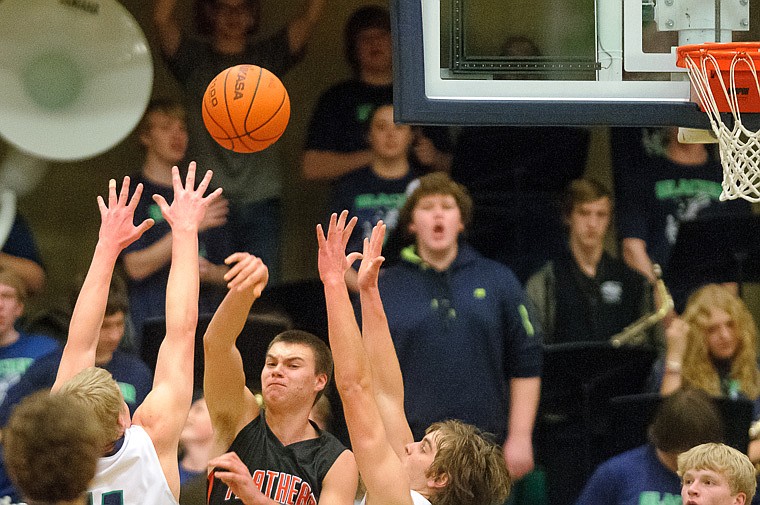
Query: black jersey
[[290, 474]]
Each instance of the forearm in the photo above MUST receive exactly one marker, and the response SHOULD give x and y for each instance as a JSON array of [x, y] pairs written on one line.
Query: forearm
[[352, 366], [145, 262], [214, 274], [30, 271], [326, 165], [672, 378], [636, 257], [87, 318], [229, 319], [523, 404], [442, 162], [300, 28], [386, 372], [183, 284], [166, 25]]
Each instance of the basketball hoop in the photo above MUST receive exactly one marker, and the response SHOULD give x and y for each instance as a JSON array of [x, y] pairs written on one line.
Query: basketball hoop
[[724, 79]]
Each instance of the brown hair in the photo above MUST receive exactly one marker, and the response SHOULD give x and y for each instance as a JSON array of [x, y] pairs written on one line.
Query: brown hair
[[363, 18], [474, 468], [686, 418], [698, 369], [203, 11], [167, 106], [52, 445], [10, 278], [436, 183], [323, 362], [582, 191]]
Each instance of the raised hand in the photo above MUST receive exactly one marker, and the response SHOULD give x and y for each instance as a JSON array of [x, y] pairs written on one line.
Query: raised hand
[[369, 269], [332, 260], [247, 272], [188, 208], [117, 218]]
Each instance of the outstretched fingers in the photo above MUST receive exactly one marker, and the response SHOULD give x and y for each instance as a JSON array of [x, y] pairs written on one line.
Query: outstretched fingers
[[112, 193], [124, 194]]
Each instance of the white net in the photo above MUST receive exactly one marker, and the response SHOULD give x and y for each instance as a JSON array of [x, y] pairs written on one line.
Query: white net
[[739, 146]]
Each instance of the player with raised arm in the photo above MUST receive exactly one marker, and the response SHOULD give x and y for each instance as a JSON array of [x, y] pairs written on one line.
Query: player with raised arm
[[140, 464], [453, 463], [277, 455]]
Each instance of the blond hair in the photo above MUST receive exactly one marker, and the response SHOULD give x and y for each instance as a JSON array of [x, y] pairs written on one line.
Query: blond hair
[[52, 445], [474, 468], [698, 369], [727, 461], [97, 388]]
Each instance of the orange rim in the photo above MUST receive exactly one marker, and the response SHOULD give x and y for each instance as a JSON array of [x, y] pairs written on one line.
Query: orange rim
[[723, 52]]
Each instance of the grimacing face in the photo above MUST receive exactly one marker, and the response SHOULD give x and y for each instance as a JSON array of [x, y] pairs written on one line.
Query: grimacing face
[[289, 375]]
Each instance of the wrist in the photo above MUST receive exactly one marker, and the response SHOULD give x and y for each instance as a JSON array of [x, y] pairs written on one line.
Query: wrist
[[673, 366]]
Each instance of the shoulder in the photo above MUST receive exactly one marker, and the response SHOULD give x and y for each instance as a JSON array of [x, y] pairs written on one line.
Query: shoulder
[[127, 361], [545, 273], [40, 342], [337, 92], [358, 176], [472, 262]]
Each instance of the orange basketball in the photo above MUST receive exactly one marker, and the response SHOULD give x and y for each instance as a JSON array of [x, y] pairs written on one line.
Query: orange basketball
[[246, 108]]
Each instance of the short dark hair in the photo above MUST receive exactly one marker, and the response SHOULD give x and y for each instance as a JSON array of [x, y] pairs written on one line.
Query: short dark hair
[[685, 419], [363, 18], [582, 191], [52, 445], [323, 362], [203, 11]]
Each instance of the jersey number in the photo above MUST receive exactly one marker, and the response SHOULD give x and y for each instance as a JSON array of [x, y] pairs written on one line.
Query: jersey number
[[109, 498]]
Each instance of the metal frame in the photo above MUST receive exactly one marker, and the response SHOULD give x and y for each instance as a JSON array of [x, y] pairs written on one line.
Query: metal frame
[[411, 104]]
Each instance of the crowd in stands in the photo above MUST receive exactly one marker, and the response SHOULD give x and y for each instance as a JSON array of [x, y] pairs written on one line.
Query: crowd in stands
[[470, 300]]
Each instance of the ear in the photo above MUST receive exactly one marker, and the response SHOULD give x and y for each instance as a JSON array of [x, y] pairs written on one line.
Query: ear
[[740, 499], [19, 310], [143, 138], [320, 382], [440, 481], [412, 228]]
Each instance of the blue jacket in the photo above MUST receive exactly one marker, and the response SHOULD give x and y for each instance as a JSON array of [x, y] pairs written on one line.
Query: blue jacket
[[460, 336]]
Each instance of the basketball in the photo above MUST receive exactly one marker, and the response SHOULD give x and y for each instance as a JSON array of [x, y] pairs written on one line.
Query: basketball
[[246, 108]]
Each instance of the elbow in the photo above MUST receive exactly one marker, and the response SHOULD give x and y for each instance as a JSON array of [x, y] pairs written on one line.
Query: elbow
[[310, 167], [352, 385]]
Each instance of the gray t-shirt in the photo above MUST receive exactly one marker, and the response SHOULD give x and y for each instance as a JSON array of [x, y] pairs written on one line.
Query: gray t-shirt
[[246, 178]]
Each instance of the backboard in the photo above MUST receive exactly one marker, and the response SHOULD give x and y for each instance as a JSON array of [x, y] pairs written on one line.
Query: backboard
[[543, 62]]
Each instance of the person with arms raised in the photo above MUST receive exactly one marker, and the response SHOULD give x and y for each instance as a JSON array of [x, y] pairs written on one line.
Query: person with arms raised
[[453, 463], [140, 461]]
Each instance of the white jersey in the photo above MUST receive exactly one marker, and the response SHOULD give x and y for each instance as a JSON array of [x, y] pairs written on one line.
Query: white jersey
[[132, 476], [417, 499]]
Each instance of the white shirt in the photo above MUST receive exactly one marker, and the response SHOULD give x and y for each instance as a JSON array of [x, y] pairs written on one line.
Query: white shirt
[[417, 499], [134, 473]]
